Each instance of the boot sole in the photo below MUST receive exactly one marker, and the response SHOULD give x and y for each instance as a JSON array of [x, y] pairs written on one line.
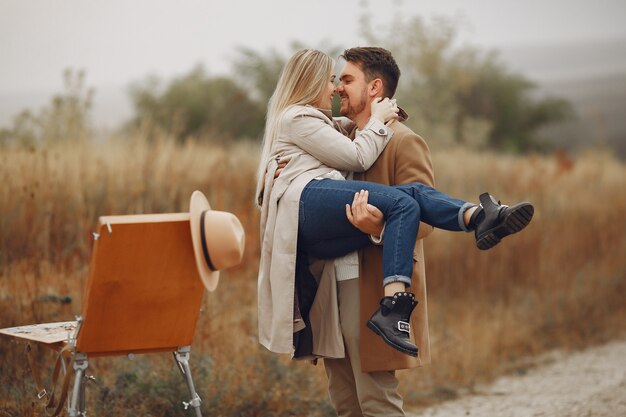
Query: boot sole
[[373, 327], [518, 218]]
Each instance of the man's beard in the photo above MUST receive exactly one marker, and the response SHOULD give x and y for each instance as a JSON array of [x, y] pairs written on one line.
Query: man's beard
[[352, 111]]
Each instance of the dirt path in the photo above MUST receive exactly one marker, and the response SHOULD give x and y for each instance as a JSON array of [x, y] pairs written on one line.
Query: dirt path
[[591, 383]]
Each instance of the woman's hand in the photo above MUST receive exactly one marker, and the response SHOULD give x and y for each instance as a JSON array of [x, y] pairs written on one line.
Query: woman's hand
[[384, 109], [365, 217]]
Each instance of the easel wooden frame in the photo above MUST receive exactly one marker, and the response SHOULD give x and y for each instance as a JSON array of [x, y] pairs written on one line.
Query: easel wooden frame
[[143, 295]]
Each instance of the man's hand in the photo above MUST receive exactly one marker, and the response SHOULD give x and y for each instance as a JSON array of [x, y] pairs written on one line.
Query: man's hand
[[282, 163], [365, 217], [281, 166]]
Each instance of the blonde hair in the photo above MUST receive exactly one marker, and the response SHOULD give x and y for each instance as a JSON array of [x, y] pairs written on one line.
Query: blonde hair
[[303, 80]]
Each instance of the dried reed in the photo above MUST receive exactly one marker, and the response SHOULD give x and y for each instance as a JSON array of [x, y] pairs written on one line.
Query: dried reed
[[560, 283]]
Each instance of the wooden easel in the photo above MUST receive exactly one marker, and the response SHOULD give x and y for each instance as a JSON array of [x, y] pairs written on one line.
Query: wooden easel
[[143, 295]]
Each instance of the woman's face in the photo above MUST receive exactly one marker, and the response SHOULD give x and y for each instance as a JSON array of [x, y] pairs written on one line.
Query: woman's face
[[326, 102]]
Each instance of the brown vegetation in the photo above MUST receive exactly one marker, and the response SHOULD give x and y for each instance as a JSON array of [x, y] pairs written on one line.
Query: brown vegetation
[[560, 283]]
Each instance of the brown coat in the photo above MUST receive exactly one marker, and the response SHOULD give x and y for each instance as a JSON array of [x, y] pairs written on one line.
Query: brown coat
[[405, 159]]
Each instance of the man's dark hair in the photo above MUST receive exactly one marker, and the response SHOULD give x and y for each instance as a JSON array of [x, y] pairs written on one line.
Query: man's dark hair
[[375, 63]]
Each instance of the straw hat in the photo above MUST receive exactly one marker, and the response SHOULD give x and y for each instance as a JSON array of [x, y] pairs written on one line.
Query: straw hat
[[218, 239]]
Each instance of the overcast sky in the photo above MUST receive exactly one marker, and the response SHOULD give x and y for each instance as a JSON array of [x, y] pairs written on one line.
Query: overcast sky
[[120, 41]]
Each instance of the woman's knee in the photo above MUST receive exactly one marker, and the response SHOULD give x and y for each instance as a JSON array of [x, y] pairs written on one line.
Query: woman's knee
[[409, 207]]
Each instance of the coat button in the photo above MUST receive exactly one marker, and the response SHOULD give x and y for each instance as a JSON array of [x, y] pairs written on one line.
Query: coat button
[[381, 131]]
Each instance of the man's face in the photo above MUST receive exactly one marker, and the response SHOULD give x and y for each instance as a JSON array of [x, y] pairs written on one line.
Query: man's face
[[352, 90]]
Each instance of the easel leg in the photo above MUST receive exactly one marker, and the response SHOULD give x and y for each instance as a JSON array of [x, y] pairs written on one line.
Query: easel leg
[[182, 360], [77, 403]]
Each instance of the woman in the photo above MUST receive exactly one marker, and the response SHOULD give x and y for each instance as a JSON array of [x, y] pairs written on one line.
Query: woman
[[304, 207]]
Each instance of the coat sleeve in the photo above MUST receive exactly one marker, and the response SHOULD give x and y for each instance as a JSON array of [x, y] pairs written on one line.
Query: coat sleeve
[[414, 164], [319, 139]]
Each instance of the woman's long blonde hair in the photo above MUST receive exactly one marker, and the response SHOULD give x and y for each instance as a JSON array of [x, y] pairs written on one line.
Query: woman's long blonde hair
[[303, 80]]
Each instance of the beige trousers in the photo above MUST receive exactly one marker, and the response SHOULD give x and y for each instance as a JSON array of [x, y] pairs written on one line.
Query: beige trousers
[[354, 393]]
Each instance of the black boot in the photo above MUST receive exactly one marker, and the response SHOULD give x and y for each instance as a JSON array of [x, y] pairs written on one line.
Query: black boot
[[391, 321], [492, 221]]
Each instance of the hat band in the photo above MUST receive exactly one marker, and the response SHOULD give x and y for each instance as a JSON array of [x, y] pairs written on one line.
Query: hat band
[[205, 250]]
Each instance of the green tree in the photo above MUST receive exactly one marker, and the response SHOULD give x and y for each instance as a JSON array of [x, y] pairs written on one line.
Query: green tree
[[196, 105], [505, 99], [454, 86], [66, 118]]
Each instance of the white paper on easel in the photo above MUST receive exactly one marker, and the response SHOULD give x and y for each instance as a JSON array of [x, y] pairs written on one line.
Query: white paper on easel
[[44, 332]]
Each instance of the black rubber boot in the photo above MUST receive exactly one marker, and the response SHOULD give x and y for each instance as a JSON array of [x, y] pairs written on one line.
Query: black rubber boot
[[493, 221], [391, 321]]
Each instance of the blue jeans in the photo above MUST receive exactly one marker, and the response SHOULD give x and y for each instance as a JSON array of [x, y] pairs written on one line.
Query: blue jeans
[[325, 232]]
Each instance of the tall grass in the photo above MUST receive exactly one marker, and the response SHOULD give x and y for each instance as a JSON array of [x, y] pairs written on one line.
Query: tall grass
[[560, 283]]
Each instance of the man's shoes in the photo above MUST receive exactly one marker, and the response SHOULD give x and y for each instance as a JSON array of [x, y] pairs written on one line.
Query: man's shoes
[[391, 321], [493, 221]]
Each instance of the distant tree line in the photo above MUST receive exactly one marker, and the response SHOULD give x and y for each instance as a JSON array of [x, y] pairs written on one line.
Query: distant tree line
[[197, 105], [65, 118], [452, 93], [460, 91]]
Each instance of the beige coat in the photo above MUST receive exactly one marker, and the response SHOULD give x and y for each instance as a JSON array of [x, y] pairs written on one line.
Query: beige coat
[[405, 159], [309, 139]]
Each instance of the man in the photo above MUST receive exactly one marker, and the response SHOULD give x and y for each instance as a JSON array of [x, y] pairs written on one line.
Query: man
[[364, 382]]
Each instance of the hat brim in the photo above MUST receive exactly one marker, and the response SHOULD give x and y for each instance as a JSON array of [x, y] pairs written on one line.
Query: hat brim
[[197, 205]]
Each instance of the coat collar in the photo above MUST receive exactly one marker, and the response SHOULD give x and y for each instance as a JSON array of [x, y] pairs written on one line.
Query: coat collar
[[403, 115]]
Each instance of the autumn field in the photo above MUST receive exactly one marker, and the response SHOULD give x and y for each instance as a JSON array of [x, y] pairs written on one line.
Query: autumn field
[[559, 284]]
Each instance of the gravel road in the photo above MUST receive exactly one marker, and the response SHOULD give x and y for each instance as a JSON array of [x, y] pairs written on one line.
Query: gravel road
[[590, 383]]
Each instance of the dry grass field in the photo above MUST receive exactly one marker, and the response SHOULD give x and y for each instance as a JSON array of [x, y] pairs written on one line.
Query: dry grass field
[[559, 284]]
